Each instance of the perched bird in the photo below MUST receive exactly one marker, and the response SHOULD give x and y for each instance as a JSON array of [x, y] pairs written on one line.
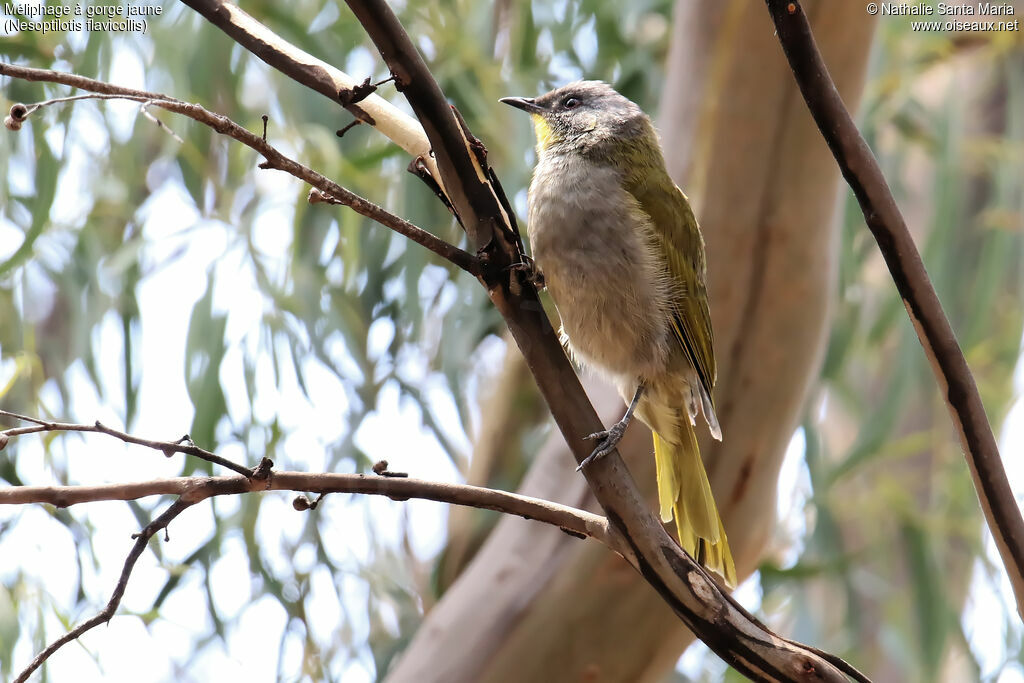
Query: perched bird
[[623, 259]]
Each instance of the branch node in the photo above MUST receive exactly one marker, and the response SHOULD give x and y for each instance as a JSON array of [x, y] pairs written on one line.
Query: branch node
[[302, 502], [341, 132], [356, 94], [265, 119], [263, 470], [380, 468]]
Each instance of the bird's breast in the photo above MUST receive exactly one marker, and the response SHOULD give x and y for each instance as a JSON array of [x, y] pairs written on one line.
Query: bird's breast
[[593, 243]]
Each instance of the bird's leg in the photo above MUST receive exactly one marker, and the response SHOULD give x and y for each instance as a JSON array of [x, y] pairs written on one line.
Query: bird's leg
[[529, 267], [610, 437]]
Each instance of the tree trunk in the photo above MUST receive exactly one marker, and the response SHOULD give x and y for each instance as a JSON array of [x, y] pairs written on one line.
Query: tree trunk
[[535, 604]]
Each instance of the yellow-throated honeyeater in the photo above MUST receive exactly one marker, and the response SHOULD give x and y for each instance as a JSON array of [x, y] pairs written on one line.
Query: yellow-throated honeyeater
[[623, 259]]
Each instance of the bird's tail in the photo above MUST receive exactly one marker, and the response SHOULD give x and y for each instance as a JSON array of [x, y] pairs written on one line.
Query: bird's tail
[[685, 493]]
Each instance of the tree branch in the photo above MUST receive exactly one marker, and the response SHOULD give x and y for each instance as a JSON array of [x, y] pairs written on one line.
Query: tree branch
[[141, 539], [195, 489], [317, 75], [692, 594], [168, 448], [886, 223], [192, 490], [274, 158]]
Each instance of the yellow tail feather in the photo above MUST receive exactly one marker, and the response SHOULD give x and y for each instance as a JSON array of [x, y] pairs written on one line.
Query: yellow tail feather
[[685, 493]]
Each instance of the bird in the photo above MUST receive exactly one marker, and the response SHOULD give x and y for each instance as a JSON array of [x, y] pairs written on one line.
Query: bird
[[619, 250]]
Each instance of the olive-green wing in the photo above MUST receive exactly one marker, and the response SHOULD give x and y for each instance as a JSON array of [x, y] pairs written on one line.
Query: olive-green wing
[[679, 239]]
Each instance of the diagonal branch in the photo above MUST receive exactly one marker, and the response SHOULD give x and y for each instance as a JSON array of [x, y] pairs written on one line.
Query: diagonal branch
[[886, 223], [274, 158], [692, 594], [183, 445], [317, 75], [104, 615]]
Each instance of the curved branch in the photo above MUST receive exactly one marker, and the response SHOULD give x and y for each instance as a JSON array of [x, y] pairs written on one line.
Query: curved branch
[[195, 489], [317, 75], [274, 158], [692, 594], [886, 223]]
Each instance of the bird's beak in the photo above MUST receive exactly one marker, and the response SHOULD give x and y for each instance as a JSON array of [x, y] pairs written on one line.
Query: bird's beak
[[527, 104]]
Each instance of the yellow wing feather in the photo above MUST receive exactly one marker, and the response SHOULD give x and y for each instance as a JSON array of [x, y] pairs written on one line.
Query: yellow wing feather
[[684, 491]]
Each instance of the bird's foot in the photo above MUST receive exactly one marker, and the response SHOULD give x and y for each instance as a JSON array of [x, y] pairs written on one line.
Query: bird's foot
[[607, 440], [529, 268], [610, 438]]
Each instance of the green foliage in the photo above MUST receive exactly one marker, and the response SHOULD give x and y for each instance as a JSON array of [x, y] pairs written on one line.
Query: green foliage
[[113, 235], [119, 230], [897, 533]]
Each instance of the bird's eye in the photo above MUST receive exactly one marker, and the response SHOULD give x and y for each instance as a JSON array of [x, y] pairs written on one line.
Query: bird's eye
[[571, 103]]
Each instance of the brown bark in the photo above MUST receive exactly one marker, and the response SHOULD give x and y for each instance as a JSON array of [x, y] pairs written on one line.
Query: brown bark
[[536, 605]]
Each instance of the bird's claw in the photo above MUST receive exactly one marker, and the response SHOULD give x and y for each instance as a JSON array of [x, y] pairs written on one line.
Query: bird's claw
[[529, 268], [607, 439]]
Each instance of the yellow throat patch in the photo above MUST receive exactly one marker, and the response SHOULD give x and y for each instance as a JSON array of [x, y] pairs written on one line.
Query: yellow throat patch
[[545, 136]]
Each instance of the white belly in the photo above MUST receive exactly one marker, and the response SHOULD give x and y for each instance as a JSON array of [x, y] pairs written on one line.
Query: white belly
[[591, 241]]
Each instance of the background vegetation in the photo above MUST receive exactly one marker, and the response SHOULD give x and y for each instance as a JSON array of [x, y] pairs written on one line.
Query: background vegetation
[[173, 287]]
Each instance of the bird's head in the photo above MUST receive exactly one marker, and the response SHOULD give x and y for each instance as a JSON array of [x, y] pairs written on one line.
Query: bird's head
[[585, 115]]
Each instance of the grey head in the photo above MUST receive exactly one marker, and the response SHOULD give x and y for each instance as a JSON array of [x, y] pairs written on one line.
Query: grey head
[[585, 115]]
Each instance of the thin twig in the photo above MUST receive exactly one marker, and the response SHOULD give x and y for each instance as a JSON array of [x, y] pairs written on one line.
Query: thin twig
[[168, 448], [159, 124], [460, 258], [20, 114], [886, 223], [274, 158], [141, 539]]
